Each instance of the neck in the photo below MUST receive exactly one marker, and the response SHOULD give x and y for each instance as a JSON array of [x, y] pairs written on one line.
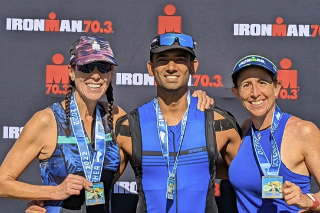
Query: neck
[[263, 122], [86, 107], [173, 104]]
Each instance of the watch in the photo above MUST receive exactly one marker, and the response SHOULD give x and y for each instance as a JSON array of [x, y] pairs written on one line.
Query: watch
[[314, 199]]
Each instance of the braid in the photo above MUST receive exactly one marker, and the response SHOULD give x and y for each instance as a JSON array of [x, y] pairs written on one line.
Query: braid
[[67, 99], [110, 99], [109, 94]]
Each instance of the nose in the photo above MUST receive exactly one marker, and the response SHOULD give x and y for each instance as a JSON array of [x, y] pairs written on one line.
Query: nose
[[255, 90], [95, 74], [171, 67]]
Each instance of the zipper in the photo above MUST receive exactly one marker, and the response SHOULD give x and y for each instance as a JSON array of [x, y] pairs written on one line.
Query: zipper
[[176, 175]]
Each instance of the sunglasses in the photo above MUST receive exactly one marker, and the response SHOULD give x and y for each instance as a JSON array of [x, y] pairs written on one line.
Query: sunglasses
[[103, 67], [169, 39]]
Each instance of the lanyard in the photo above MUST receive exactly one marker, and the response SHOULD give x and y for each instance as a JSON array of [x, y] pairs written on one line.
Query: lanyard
[[163, 134], [267, 167], [92, 168]]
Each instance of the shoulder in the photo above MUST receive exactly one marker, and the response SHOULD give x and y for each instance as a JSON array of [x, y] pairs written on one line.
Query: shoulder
[[43, 119], [302, 129]]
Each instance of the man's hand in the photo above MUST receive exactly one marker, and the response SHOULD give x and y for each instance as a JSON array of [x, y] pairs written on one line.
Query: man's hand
[[35, 206], [204, 101], [72, 185], [293, 195]]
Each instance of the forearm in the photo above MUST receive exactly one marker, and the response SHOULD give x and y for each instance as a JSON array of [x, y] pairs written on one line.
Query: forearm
[[22, 191]]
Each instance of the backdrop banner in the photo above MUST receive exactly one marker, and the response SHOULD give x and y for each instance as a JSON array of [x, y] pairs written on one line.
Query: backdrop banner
[[37, 36]]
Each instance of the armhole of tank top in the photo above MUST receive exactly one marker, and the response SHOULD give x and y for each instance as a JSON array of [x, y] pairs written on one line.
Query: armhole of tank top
[[136, 138], [57, 135], [211, 141]]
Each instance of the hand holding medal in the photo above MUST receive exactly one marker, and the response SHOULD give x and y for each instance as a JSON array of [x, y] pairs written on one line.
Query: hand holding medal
[[293, 195], [72, 185]]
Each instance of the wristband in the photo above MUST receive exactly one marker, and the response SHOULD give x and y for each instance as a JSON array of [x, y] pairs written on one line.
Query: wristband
[[314, 199]]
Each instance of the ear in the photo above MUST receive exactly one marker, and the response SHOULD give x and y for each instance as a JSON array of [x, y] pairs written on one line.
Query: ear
[[277, 88], [150, 68], [235, 91], [112, 72], [194, 67], [71, 72]]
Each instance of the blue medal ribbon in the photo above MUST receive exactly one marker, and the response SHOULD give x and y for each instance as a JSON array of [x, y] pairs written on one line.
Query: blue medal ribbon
[[268, 168], [163, 134], [92, 168]]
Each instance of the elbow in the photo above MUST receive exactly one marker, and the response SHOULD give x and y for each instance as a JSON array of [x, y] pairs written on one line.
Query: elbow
[[4, 183]]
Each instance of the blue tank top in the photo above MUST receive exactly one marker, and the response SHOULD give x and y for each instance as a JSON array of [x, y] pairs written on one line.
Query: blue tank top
[[193, 178], [245, 175], [66, 160]]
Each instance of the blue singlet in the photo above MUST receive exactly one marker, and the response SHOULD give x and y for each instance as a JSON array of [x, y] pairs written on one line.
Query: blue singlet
[[66, 160], [245, 175]]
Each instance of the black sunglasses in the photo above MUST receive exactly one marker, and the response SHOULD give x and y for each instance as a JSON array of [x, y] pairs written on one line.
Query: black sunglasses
[[103, 67]]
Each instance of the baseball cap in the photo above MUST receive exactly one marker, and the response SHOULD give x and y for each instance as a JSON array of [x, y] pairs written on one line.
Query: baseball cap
[[88, 49], [255, 60], [168, 41]]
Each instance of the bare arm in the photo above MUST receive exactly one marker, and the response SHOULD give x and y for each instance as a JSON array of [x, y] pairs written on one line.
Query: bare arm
[[37, 140], [309, 136], [31, 144]]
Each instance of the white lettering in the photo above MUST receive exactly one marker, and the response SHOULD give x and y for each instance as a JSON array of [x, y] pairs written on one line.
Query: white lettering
[[255, 29], [244, 29], [8, 27], [27, 24], [14, 132], [266, 29], [148, 80], [76, 26], [38, 25], [65, 26], [235, 29], [137, 79], [292, 30], [126, 79], [124, 187], [304, 30], [16, 24], [5, 132]]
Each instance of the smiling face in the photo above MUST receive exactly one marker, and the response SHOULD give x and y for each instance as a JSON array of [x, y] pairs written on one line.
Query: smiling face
[[91, 86], [171, 69], [257, 91]]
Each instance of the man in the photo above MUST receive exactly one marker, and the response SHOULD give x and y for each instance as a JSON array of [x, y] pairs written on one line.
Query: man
[[173, 147]]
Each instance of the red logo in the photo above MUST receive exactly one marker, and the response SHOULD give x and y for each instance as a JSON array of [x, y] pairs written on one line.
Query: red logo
[[169, 23], [57, 76], [289, 79]]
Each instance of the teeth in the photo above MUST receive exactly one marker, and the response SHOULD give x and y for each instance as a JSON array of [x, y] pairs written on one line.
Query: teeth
[[256, 103], [171, 76], [94, 85]]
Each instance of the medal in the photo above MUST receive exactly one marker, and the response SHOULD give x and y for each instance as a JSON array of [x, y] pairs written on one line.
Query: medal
[[170, 188], [271, 182], [92, 165], [163, 138], [96, 195], [271, 186]]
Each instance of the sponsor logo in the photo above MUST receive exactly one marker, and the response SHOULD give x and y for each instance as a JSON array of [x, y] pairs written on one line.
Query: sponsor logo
[[143, 79], [54, 25], [11, 132], [289, 80], [125, 187], [57, 77], [169, 23], [279, 29]]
